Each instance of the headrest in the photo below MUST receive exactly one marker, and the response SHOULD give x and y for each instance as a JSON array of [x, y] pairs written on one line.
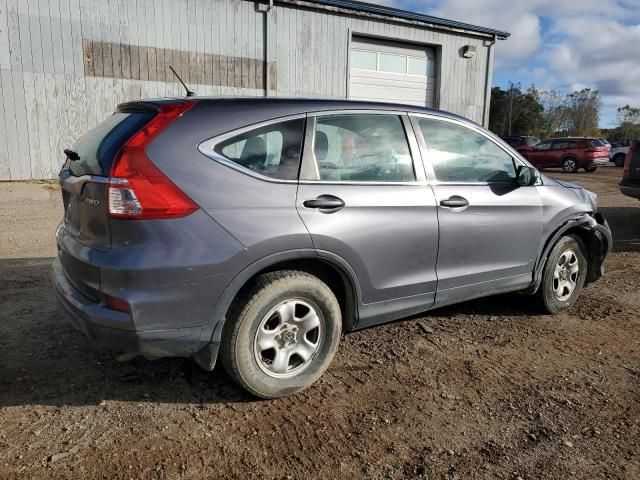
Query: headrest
[[321, 146], [254, 152]]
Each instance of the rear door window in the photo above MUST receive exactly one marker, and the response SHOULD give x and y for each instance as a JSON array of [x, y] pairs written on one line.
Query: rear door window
[[98, 147], [543, 146], [362, 148], [560, 145], [272, 150]]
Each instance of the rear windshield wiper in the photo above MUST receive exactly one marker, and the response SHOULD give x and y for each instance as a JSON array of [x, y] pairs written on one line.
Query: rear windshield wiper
[[71, 155]]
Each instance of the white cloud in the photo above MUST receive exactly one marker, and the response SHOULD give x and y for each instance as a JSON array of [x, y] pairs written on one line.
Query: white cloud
[[558, 43]]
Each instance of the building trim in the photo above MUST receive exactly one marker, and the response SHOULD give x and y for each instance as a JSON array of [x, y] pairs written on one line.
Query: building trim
[[396, 13]]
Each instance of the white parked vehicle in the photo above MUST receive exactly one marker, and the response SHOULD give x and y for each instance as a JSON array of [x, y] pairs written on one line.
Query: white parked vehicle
[[617, 155]]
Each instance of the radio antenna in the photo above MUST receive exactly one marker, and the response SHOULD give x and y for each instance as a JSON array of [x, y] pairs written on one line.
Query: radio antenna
[[190, 93]]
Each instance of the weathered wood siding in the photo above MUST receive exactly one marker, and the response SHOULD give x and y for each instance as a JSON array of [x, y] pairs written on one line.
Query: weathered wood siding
[[65, 64]]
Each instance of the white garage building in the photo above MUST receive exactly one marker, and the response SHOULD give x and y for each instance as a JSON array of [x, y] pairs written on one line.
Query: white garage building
[[64, 65], [391, 71]]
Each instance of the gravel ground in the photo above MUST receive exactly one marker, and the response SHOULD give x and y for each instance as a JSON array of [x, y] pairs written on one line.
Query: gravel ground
[[486, 389]]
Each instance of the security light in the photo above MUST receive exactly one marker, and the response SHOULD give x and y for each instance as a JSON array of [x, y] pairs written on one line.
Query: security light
[[468, 51]]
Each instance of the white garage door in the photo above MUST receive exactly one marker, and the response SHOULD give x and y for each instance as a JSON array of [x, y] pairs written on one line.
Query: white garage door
[[392, 72]]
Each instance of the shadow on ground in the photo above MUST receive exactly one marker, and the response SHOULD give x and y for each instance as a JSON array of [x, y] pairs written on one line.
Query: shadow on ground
[[625, 227], [43, 360]]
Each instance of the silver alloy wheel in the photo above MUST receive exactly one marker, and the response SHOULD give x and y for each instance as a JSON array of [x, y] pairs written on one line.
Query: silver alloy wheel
[[569, 165], [288, 338], [565, 275]]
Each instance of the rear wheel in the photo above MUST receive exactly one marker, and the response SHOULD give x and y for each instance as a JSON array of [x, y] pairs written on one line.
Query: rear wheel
[[618, 159], [282, 334], [564, 275], [569, 165]]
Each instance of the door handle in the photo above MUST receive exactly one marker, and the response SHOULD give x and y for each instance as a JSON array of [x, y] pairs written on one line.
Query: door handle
[[326, 203], [455, 201]]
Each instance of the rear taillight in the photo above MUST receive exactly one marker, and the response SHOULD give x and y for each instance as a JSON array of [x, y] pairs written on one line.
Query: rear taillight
[[595, 151], [137, 188]]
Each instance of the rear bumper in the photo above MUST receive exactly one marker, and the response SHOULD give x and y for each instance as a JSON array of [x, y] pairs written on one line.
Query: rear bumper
[[598, 162], [116, 330], [630, 190]]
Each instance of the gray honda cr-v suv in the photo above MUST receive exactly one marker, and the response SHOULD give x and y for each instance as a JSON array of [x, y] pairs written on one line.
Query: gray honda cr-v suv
[[258, 230]]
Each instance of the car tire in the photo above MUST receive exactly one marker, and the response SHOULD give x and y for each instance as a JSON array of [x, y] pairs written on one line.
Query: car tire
[[569, 165], [564, 275], [590, 169], [266, 337], [618, 159]]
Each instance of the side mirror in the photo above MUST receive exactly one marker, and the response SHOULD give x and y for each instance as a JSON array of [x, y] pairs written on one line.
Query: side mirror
[[527, 176]]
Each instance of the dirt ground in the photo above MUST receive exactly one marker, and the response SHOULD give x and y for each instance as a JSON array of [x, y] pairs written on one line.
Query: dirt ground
[[486, 389]]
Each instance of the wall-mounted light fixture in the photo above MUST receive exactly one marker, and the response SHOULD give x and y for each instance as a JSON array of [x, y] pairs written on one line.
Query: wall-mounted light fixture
[[468, 51]]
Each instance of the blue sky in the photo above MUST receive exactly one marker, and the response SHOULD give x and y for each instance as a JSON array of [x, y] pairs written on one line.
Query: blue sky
[[557, 44]]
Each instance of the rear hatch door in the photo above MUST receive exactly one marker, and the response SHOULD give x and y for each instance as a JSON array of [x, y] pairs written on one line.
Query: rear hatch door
[[84, 180], [85, 175], [597, 149]]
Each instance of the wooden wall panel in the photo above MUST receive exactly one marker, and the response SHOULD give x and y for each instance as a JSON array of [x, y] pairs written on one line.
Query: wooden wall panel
[[5, 170]]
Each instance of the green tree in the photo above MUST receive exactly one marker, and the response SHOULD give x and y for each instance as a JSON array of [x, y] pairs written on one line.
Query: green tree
[[515, 112], [628, 123], [582, 112], [552, 117]]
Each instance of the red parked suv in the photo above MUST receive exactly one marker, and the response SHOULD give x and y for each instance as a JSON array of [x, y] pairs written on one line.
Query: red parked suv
[[570, 154]]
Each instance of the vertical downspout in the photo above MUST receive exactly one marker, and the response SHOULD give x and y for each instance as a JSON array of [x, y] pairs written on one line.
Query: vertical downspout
[[487, 86], [265, 70]]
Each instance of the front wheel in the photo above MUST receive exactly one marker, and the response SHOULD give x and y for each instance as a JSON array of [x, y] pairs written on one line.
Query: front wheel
[[569, 165], [564, 275], [281, 334]]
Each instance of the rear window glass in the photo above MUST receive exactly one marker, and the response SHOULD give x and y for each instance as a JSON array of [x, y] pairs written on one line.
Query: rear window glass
[[98, 147], [272, 151]]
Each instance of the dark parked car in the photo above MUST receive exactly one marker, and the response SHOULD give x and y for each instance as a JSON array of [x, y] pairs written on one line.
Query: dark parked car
[[630, 184], [259, 230], [570, 154], [521, 143]]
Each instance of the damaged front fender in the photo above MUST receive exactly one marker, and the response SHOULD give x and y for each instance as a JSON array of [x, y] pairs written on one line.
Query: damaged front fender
[[595, 233]]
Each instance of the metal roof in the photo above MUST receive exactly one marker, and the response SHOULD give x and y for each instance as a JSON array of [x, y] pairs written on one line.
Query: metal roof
[[407, 15]]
